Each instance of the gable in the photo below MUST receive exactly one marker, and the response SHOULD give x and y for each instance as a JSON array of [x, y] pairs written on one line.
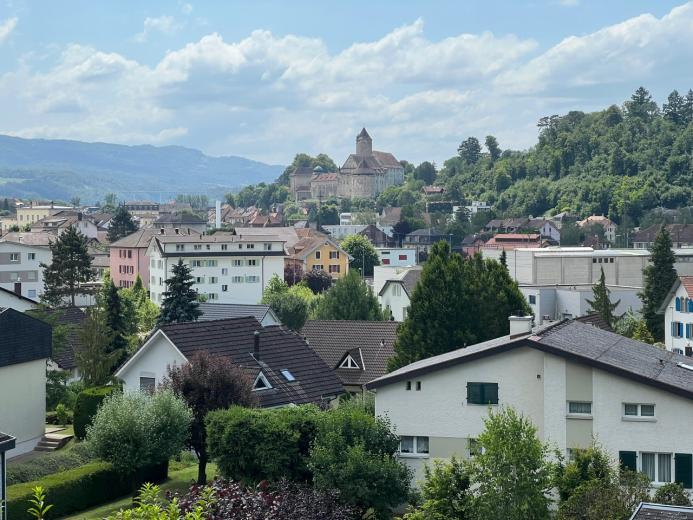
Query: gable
[[23, 338], [155, 356]]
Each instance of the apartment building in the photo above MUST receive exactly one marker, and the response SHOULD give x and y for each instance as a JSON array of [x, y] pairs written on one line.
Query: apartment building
[[33, 213], [574, 381], [19, 267], [678, 317], [226, 268]]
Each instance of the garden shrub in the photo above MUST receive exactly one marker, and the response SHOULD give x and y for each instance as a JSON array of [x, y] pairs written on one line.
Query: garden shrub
[[255, 444], [73, 490], [88, 402], [71, 456]]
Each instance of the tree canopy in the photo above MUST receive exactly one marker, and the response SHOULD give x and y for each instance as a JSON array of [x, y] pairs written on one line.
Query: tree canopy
[[180, 299], [364, 256], [121, 225], [350, 299]]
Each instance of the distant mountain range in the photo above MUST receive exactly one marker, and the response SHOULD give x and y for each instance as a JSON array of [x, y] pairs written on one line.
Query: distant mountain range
[[60, 170]]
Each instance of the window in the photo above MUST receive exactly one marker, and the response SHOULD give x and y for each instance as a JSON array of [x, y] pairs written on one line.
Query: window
[[196, 263], [31, 256], [31, 275], [208, 247], [594, 260], [418, 386], [317, 267], [261, 382], [677, 329], [611, 260], [532, 299], [252, 263], [237, 263], [482, 393], [689, 330], [199, 279], [240, 246], [579, 408], [657, 466], [408, 385], [252, 279], [396, 289], [386, 261], [129, 253], [14, 257], [147, 384], [402, 257], [267, 246], [224, 247], [237, 279], [180, 247], [413, 445], [334, 255], [334, 268], [317, 255], [224, 288], [224, 271], [288, 375], [349, 362], [32, 293], [212, 296], [197, 247], [152, 263], [211, 263], [213, 279], [638, 410]]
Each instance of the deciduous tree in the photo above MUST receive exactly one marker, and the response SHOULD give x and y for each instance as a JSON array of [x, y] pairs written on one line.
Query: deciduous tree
[[364, 255], [350, 299]]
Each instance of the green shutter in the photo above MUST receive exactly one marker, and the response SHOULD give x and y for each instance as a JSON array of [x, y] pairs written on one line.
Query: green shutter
[[491, 393], [683, 463], [628, 460], [474, 393]]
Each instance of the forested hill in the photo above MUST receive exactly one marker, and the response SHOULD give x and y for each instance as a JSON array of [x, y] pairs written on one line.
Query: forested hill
[[58, 169], [620, 161]]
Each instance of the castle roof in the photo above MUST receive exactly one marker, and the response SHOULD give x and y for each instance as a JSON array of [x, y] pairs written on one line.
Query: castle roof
[[363, 133]]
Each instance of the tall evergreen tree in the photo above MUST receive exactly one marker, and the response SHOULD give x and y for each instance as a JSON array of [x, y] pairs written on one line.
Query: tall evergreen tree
[[350, 299], [660, 275], [122, 225], [674, 109], [504, 259], [180, 299], [601, 304], [456, 303], [470, 150], [69, 271], [117, 317], [492, 147], [96, 357]]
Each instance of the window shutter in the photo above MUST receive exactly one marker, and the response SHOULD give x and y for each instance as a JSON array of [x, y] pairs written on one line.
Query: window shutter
[[677, 305], [680, 329], [690, 305], [491, 393], [628, 460], [474, 393], [683, 463]]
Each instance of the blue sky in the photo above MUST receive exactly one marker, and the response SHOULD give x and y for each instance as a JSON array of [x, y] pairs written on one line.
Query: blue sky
[[267, 79]]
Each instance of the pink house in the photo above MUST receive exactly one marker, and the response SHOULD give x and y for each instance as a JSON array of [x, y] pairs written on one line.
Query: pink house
[[128, 256]]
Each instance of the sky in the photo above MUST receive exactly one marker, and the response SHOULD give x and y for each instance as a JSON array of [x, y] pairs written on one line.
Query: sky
[[268, 79]]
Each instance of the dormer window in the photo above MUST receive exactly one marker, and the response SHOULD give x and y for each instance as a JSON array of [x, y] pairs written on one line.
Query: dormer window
[[261, 383], [349, 362]]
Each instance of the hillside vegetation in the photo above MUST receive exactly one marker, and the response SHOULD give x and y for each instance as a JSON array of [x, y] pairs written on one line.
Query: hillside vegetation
[[621, 161]]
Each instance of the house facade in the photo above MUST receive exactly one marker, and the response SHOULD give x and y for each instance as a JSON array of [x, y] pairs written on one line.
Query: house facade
[[226, 268], [11, 300], [681, 236], [396, 257], [574, 381], [283, 368], [678, 317], [24, 351], [394, 289], [319, 253], [33, 213], [609, 226], [20, 271]]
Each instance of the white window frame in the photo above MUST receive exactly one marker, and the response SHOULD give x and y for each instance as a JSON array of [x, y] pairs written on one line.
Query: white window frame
[[14, 257], [579, 414], [415, 454], [349, 362], [657, 482], [263, 379], [639, 417]]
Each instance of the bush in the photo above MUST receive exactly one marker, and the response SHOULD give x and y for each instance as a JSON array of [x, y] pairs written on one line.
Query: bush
[[88, 402], [354, 453], [72, 456], [444, 492], [254, 445], [62, 415], [73, 490], [672, 494], [136, 430]]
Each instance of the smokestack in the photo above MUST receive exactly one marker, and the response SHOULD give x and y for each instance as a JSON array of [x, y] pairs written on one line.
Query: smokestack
[[256, 346], [217, 221]]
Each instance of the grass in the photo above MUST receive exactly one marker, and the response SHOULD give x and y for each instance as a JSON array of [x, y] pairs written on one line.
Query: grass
[[177, 481]]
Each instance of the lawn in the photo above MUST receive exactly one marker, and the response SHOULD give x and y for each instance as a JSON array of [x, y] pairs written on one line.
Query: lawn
[[178, 481]]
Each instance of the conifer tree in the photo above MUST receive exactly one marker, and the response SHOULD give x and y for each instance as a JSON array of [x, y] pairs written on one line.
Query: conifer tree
[[504, 259], [69, 270], [350, 299], [96, 357], [180, 299], [601, 304], [660, 275], [117, 318], [122, 225]]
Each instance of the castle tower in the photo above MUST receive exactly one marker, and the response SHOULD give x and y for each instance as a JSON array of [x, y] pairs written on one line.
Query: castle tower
[[364, 144]]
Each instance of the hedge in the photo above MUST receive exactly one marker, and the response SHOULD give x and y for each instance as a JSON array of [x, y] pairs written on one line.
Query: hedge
[[88, 401], [78, 489]]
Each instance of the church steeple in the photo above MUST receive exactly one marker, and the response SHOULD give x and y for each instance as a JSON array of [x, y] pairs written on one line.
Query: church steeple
[[364, 143]]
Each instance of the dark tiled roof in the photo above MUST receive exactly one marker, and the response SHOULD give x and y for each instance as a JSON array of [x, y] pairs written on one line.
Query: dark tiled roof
[[662, 512], [678, 232], [24, 338], [410, 280], [595, 320], [279, 350], [7, 442], [220, 311], [179, 218], [363, 133], [370, 343], [73, 318], [579, 342]]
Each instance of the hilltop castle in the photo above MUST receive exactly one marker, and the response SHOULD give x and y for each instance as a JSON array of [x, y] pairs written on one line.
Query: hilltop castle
[[366, 174]]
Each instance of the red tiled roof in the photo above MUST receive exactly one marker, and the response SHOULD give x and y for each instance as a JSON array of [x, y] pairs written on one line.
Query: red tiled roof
[[687, 282]]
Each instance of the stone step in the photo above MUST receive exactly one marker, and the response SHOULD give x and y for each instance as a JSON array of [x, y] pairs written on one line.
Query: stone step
[[52, 442]]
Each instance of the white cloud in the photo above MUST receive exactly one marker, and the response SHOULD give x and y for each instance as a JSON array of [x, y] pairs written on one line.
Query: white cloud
[[267, 96], [7, 27], [161, 24]]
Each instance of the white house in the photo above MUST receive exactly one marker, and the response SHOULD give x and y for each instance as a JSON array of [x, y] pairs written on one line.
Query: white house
[[678, 316], [576, 383], [25, 346], [396, 256], [19, 267], [607, 224], [285, 370], [10, 299], [395, 292], [227, 268]]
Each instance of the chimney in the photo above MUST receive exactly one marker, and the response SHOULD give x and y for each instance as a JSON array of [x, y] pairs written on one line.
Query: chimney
[[217, 220], [256, 346], [177, 231], [162, 231], [18, 288], [520, 325]]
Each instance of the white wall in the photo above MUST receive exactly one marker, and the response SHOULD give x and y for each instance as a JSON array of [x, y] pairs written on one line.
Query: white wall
[[23, 403], [671, 315], [28, 272], [10, 301], [153, 361], [391, 256], [396, 299]]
